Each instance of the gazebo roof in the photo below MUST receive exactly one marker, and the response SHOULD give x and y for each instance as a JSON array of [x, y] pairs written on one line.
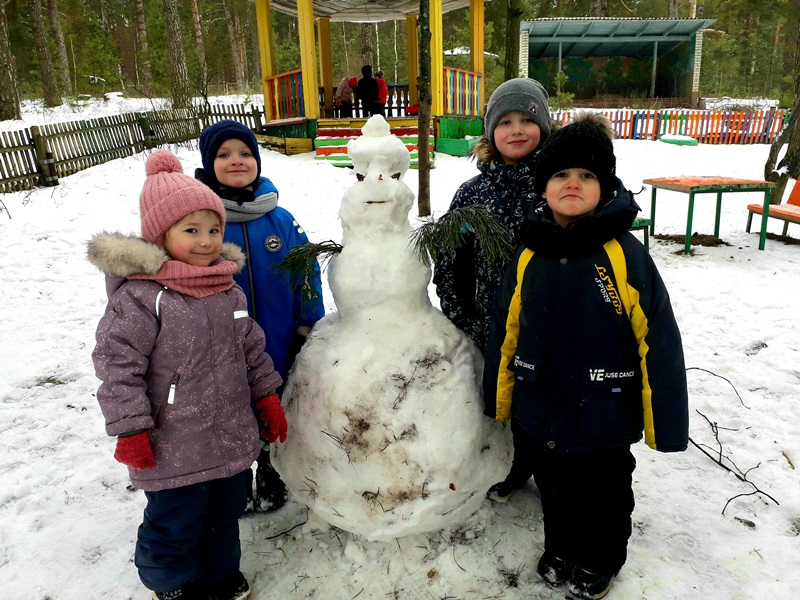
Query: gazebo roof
[[363, 11], [608, 36]]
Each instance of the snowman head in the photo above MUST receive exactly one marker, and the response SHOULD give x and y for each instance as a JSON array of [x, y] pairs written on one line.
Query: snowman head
[[379, 198]]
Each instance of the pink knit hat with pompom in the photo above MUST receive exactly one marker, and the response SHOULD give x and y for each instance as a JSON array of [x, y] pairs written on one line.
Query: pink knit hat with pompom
[[168, 195]]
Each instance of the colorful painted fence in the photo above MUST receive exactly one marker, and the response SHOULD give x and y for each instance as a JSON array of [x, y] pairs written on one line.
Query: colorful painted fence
[[462, 92], [284, 96], [706, 126]]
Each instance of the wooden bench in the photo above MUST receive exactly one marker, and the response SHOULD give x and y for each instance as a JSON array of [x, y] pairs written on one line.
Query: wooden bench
[[788, 213], [643, 224]]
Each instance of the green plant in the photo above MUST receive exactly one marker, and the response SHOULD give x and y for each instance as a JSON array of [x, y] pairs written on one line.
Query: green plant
[[562, 100]]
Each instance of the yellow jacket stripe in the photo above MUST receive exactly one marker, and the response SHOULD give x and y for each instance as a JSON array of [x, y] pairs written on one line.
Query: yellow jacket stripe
[[630, 299], [505, 377]]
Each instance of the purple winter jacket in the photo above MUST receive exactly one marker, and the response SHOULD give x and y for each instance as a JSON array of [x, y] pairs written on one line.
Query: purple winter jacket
[[186, 376]]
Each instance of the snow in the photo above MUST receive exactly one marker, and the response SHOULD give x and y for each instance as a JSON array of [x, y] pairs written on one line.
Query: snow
[[68, 522], [371, 393]]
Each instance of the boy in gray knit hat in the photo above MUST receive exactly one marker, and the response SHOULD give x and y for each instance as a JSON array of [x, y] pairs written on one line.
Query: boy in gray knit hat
[[517, 123]]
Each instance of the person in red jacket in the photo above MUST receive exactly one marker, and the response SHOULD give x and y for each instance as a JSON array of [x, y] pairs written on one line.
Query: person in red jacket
[[383, 95]]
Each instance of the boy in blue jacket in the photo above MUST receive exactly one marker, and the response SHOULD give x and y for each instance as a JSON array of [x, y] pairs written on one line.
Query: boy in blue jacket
[[285, 308], [584, 355]]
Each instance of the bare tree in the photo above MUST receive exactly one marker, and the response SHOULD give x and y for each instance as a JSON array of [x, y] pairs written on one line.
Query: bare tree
[[673, 9], [599, 8], [366, 43], [198, 39], [789, 165], [238, 68], [9, 96], [61, 47], [48, 74], [179, 75], [513, 19], [143, 70], [425, 101]]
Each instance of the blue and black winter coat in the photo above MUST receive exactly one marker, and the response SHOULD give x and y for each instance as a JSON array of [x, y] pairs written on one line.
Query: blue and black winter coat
[[466, 282], [584, 351], [278, 303]]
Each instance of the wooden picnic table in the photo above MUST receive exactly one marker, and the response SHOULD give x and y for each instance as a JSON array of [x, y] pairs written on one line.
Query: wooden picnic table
[[709, 185]]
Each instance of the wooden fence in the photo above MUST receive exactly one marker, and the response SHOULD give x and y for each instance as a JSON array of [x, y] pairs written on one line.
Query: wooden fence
[[39, 155], [707, 127]]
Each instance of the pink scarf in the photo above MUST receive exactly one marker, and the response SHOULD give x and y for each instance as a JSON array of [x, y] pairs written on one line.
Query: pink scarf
[[197, 282]]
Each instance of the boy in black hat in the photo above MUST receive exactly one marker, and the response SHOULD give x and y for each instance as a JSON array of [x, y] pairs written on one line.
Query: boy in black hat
[[584, 354], [516, 124]]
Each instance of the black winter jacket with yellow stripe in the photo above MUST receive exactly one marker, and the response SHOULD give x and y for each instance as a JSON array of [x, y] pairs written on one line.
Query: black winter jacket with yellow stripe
[[584, 351]]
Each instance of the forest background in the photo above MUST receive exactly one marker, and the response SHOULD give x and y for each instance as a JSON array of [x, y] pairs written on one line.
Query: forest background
[[61, 49]]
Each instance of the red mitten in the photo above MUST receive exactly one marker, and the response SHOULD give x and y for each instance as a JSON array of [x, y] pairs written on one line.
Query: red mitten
[[273, 417], [135, 451]]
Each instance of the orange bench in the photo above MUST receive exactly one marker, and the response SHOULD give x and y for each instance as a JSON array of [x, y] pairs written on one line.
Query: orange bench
[[788, 213]]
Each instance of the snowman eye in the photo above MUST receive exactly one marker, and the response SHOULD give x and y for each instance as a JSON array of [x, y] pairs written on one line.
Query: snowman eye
[[396, 175], [360, 176]]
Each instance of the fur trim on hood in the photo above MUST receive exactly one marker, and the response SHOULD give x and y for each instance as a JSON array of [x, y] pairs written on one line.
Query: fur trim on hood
[[120, 255]]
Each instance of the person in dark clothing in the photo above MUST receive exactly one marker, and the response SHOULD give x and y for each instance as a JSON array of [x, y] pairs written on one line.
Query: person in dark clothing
[[517, 123], [367, 91], [585, 355]]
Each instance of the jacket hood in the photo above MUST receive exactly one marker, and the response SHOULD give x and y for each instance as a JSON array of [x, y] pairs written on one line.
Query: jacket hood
[[120, 255], [542, 234]]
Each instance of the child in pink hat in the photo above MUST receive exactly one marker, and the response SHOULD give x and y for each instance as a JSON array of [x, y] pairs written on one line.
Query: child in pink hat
[[180, 361]]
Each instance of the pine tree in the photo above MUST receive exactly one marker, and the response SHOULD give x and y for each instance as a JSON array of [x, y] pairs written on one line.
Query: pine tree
[[47, 73], [61, 47], [9, 97], [177, 59]]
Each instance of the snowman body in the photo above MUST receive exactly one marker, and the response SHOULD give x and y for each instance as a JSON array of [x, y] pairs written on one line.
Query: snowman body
[[386, 432]]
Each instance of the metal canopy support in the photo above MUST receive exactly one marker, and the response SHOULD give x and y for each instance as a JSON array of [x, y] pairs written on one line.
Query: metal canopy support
[[653, 75], [264, 28]]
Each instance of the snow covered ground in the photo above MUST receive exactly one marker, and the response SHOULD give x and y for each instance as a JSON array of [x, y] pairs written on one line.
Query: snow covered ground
[[68, 521]]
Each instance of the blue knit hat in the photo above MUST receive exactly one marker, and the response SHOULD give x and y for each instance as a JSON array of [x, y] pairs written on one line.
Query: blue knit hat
[[213, 137]]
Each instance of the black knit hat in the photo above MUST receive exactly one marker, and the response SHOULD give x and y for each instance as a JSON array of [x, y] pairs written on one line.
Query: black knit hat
[[522, 95], [583, 144], [216, 135]]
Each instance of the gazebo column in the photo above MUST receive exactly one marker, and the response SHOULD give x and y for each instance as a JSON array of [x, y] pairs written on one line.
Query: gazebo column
[[326, 70], [476, 17], [413, 59], [308, 58], [265, 48], [437, 61]]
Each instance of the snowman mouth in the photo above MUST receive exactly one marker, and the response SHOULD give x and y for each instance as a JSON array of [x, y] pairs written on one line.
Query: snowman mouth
[[376, 201]]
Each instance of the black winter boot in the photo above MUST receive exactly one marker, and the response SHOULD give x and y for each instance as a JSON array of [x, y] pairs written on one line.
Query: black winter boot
[[271, 493]]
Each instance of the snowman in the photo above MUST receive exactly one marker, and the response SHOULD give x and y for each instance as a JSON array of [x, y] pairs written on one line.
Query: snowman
[[386, 432]]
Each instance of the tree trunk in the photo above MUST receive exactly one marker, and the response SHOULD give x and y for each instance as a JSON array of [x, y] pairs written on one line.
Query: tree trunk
[[179, 75], [143, 70], [789, 166], [234, 44], [46, 71], [692, 9], [198, 40], [599, 8], [61, 47], [241, 48], [513, 18], [424, 120], [366, 44], [9, 96], [673, 9]]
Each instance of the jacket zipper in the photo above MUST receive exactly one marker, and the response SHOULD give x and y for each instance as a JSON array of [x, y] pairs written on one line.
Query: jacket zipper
[[173, 387], [249, 268]]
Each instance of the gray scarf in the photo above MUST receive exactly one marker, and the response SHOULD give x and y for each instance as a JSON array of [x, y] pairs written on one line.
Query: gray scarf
[[249, 211]]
